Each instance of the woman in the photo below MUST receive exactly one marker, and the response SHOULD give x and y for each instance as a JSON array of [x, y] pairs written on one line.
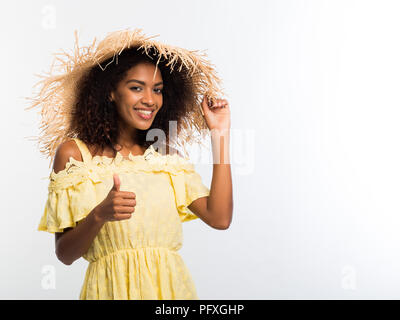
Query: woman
[[113, 198]]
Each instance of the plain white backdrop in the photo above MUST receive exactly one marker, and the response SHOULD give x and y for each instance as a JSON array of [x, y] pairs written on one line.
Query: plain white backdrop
[[314, 92]]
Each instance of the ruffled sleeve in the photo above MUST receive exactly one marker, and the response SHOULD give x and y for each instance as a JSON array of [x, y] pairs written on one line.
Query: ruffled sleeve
[[188, 187], [71, 197]]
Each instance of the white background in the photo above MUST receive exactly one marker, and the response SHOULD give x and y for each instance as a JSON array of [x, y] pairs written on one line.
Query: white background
[[316, 181]]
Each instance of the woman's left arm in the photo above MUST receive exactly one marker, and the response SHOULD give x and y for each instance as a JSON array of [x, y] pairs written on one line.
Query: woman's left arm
[[216, 209]]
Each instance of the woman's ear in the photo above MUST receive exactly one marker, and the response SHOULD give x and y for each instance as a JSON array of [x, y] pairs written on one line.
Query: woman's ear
[[111, 97]]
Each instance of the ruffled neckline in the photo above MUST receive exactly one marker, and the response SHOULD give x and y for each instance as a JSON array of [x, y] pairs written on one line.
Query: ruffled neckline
[[150, 161], [119, 157]]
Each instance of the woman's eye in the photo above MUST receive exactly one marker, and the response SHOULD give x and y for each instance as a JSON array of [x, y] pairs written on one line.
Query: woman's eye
[[135, 89]]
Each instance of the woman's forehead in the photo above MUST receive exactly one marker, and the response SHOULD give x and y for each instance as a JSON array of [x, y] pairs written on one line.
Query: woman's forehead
[[144, 71]]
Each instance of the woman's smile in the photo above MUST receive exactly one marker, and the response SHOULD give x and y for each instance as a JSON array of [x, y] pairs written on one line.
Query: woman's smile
[[144, 114]]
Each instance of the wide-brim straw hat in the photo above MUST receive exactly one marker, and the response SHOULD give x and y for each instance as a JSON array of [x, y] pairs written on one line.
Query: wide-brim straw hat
[[58, 88]]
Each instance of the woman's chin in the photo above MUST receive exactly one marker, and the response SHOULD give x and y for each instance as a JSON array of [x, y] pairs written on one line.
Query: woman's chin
[[141, 125]]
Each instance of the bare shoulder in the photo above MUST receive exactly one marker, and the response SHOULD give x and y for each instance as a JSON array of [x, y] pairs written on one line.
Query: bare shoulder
[[64, 151]]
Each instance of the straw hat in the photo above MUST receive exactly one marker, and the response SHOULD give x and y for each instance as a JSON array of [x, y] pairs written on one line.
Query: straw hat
[[57, 95]]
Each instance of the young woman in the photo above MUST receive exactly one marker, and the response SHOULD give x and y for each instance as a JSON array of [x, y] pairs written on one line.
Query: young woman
[[116, 197]]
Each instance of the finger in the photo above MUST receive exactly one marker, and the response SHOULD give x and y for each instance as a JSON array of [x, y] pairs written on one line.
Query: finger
[[221, 103], [225, 103], [117, 182], [125, 195], [123, 209], [122, 216], [125, 202]]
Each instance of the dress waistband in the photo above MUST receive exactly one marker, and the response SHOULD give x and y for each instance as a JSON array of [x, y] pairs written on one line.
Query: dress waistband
[[132, 249]]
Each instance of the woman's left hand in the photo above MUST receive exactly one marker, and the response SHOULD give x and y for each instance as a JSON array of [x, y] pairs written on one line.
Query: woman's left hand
[[218, 115]]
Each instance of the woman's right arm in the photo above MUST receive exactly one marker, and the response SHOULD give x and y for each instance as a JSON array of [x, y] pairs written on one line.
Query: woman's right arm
[[73, 243]]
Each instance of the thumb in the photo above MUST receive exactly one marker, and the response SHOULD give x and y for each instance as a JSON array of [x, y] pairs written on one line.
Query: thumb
[[117, 182]]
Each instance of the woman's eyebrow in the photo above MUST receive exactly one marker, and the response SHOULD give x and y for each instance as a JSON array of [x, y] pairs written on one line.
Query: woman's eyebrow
[[141, 82]]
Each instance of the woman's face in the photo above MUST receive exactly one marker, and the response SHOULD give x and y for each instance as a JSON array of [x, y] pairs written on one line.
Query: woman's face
[[137, 91]]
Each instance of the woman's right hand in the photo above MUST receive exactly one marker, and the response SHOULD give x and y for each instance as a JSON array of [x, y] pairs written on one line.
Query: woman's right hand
[[118, 205]]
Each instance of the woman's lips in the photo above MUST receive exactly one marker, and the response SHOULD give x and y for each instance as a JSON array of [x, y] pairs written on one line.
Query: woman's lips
[[144, 114]]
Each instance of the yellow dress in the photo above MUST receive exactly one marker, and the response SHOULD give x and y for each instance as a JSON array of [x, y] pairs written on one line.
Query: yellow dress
[[135, 258]]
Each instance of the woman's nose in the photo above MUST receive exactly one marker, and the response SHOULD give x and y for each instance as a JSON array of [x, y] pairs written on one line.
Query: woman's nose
[[148, 97]]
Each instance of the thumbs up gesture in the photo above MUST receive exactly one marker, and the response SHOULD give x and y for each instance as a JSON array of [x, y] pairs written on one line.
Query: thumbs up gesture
[[118, 205]]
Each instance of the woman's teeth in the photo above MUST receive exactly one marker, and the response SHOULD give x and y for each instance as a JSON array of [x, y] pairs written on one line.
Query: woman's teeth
[[144, 113]]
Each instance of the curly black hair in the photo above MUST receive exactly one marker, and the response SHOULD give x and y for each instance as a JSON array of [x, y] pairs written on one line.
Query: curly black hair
[[94, 119]]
